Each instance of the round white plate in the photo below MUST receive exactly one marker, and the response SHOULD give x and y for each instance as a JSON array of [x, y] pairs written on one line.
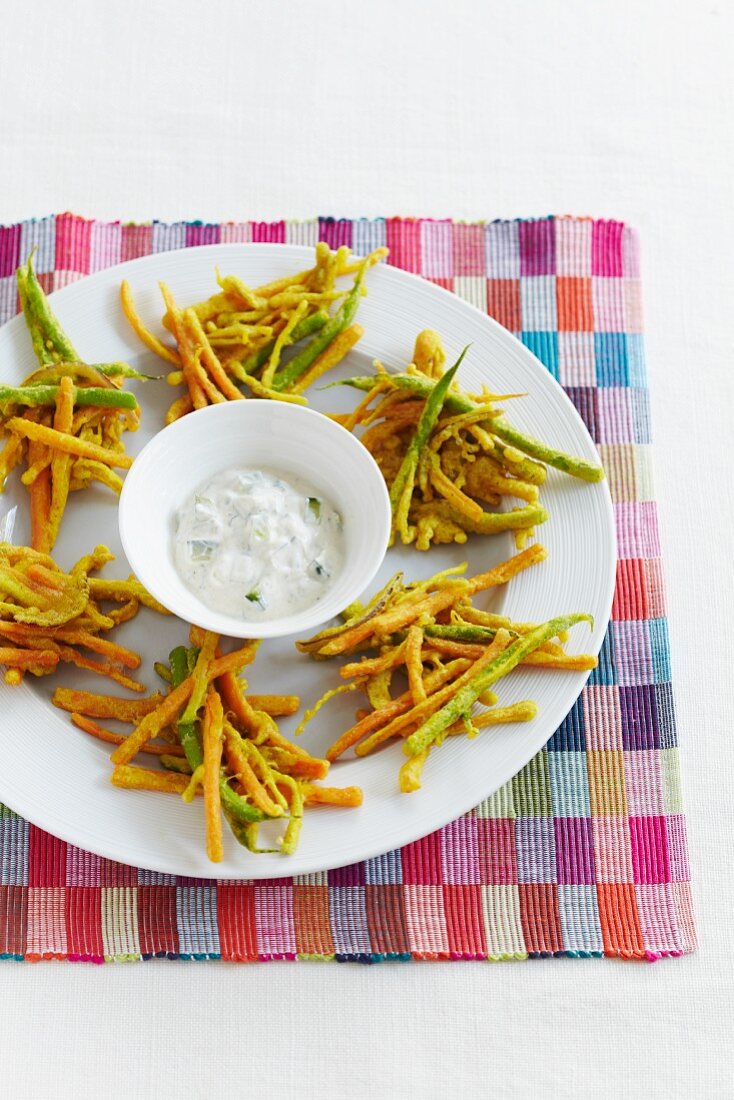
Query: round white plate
[[58, 778]]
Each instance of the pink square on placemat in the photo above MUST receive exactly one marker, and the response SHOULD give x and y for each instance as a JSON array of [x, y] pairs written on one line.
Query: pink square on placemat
[[336, 232], [606, 248], [72, 243], [643, 783], [637, 529], [422, 860], [649, 846], [573, 247], [460, 851], [9, 249], [468, 249], [678, 848], [630, 254], [612, 849], [105, 245], [426, 920], [404, 241], [46, 924], [274, 917], [82, 868], [609, 304], [632, 305], [602, 717], [136, 241], [269, 232], [498, 863], [657, 915], [538, 247], [236, 233], [437, 250], [575, 850], [202, 234], [576, 359]]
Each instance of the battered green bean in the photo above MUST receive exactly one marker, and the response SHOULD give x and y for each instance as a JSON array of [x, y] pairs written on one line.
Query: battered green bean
[[42, 321], [489, 523], [187, 732], [57, 371], [175, 764], [83, 395], [464, 632], [232, 804], [569, 464], [417, 384], [258, 359], [163, 671], [401, 491], [421, 386], [465, 698], [343, 317], [43, 354]]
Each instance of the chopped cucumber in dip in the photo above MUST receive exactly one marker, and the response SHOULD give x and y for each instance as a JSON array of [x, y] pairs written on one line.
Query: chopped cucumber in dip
[[257, 544]]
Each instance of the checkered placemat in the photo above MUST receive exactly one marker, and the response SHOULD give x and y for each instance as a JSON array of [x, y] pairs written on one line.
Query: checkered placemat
[[583, 852]]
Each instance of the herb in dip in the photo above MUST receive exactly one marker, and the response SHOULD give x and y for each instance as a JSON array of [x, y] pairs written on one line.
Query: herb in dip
[[255, 545]]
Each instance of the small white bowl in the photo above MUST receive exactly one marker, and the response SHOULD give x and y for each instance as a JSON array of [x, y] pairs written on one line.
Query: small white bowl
[[256, 433]]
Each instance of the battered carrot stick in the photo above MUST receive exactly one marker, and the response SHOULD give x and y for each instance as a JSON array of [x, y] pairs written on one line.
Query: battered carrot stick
[[180, 407], [168, 711], [277, 706], [299, 766], [395, 618], [41, 575], [151, 342], [185, 350], [28, 658], [61, 463], [392, 710], [132, 778], [209, 360], [212, 745], [126, 657], [70, 656], [414, 663], [40, 492], [105, 706], [331, 796], [334, 353], [69, 444], [118, 653], [371, 666], [240, 766], [417, 714], [111, 738]]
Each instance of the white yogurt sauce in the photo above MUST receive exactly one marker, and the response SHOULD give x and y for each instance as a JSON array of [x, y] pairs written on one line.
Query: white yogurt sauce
[[254, 545]]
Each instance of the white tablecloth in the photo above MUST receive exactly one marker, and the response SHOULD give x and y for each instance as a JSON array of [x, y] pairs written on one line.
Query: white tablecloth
[[473, 109]]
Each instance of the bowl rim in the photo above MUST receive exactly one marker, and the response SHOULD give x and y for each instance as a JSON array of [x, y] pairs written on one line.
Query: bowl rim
[[218, 622]]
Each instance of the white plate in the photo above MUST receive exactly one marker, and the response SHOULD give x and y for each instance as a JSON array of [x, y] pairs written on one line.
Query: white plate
[[58, 778]]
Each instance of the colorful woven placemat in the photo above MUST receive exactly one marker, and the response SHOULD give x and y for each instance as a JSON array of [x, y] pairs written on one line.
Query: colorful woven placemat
[[584, 852]]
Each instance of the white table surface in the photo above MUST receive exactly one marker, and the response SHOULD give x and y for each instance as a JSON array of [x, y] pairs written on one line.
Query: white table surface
[[470, 109]]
